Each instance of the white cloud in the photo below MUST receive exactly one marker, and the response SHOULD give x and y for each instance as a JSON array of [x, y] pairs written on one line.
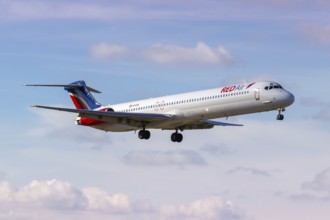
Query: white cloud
[[210, 208], [319, 189], [167, 158], [321, 182], [250, 170], [108, 51], [52, 199], [52, 194], [6, 191], [60, 195], [201, 54], [99, 199]]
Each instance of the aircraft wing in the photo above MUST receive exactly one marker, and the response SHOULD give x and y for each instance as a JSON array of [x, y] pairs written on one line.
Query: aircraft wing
[[218, 123], [204, 124], [105, 116], [141, 117]]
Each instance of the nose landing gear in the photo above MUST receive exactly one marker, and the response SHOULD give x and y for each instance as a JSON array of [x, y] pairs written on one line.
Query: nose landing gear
[[280, 116]]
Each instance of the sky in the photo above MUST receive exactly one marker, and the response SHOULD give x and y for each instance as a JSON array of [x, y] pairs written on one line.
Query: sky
[[52, 169]]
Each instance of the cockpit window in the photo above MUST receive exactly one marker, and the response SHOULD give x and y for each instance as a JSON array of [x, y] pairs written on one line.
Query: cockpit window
[[273, 86]]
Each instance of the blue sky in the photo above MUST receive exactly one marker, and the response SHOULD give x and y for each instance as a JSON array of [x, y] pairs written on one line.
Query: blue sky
[[51, 168]]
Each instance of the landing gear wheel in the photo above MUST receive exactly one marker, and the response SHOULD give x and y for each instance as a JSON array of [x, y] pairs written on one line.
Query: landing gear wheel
[[144, 134], [141, 134], [280, 117], [179, 138], [176, 137], [173, 137]]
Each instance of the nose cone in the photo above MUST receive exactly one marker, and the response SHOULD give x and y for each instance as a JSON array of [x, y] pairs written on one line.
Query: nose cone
[[289, 99]]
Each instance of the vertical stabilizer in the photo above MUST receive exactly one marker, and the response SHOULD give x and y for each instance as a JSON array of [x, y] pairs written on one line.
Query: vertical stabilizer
[[81, 95]]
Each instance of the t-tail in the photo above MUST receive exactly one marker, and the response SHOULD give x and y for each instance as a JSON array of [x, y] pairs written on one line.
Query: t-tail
[[79, 93]]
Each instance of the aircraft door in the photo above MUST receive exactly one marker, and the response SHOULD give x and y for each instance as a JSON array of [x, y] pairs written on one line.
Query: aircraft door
[[257, 94]]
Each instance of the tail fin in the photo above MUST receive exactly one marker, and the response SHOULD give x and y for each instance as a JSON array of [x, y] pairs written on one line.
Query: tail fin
[[79, 93]]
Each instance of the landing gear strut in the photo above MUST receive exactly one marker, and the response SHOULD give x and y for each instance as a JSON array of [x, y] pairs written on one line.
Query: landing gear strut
[[176, 137], [280, 116]]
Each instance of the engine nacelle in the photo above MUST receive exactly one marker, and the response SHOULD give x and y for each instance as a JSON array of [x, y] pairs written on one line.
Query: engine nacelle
[[87, 121]]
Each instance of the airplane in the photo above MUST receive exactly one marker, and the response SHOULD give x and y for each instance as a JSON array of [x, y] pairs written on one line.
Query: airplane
[[186, 111]]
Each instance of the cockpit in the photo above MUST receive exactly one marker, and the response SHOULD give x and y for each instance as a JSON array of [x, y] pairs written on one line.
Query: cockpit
[[273, 86]]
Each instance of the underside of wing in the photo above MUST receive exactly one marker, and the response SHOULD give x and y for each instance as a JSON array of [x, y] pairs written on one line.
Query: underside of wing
[[204, 124], [109, 116], [218, 123]]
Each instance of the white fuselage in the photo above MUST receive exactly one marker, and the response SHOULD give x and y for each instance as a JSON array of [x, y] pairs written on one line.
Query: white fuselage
[[206, 104]]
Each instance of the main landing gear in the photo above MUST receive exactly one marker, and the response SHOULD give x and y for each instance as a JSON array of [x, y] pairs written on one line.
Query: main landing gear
[[280, 116], [144, 134], [176, 137]]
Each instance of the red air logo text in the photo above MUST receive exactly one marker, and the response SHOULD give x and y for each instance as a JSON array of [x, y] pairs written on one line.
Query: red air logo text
[[235, 88], [232, 88]]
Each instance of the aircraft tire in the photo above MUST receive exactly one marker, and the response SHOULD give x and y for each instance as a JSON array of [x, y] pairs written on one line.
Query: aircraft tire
[[176, 137], [141, 134], [280, 117], [144, 134]]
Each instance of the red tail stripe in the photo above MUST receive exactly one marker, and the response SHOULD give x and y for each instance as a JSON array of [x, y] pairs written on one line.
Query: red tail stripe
[[77, 103]]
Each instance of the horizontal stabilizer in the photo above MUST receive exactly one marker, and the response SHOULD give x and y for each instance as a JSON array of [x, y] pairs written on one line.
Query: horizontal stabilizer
[[65, 86]]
